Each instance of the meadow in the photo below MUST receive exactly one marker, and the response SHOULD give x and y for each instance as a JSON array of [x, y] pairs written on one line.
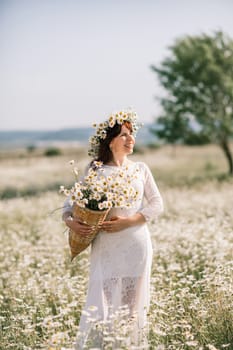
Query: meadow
[[42, 292]]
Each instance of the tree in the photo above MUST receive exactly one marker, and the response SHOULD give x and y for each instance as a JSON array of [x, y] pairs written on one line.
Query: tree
[[198, 77]]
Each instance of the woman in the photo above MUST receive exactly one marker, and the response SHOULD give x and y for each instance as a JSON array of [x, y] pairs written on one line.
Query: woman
[[121, 254]]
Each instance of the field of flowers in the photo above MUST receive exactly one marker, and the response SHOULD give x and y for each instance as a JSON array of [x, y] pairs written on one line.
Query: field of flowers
[[42, 292]]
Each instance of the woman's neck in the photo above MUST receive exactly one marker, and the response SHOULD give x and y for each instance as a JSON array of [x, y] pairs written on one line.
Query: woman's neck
[[118, 161]]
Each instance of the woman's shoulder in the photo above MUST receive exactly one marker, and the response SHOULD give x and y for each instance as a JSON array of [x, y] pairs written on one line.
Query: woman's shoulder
[[142, 165]]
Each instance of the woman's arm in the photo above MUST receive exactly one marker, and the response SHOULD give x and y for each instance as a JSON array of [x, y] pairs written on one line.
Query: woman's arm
[[73, 223], [154, 203]]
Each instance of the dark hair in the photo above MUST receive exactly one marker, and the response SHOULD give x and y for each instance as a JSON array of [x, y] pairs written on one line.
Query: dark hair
[[104, 153]]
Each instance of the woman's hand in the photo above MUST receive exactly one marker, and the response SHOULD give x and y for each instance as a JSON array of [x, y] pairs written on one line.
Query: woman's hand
[[116, 223], [78, 226]]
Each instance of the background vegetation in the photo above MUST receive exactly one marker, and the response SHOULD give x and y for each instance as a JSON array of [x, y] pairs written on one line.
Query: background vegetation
[[198, 79]]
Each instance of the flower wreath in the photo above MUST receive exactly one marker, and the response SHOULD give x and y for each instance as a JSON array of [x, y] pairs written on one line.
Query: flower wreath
[[101, 129]]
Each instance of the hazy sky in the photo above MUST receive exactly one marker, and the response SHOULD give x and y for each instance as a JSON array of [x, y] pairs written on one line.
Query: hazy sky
[[69, 63]]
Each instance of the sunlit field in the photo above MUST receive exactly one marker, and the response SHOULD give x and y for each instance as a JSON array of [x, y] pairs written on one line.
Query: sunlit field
[[42, 292]]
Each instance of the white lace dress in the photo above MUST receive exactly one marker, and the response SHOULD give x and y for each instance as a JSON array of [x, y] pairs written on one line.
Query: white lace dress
[[118, 292]]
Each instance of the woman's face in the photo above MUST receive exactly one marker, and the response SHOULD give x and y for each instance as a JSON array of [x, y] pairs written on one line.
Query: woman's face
[[123, 143]]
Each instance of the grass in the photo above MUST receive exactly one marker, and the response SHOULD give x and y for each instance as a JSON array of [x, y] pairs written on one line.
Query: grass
[[42, 293]]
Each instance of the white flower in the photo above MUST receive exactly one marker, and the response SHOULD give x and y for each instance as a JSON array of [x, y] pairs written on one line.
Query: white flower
[[97, 196], [62, 189], [101, 206], [107, 204], [98, 164]]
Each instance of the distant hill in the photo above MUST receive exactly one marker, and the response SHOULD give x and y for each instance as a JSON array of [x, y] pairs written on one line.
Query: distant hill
[[79, 135]]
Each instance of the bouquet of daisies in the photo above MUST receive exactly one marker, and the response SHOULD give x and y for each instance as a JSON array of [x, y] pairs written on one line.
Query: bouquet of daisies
[[92, 197]]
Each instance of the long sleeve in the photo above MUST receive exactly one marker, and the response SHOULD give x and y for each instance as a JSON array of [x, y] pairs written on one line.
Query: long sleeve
[[154, 203], [67, 208]]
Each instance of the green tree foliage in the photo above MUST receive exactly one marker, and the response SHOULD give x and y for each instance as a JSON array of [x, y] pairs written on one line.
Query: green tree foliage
[[198, 77]]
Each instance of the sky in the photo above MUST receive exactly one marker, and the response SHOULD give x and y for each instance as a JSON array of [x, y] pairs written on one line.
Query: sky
[[70, 63]]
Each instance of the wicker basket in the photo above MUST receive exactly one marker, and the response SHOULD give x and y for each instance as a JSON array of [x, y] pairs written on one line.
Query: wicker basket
[[93, 218]]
